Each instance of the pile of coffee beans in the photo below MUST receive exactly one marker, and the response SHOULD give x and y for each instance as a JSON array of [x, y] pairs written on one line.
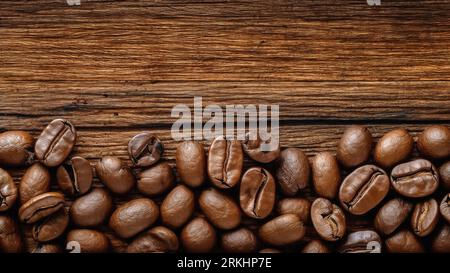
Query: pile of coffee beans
[[283, 202]]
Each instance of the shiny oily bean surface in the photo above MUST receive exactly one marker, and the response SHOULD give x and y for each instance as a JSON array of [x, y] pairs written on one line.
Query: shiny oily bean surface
[[434, 142], [145, 149], [51, 227], [316, 246], [393, 148], [158, 239], [35, 181], [441, 241], [241, 240], [75, 177], [198, 236], [293, 171], [391, 215], [363, 189], [115, 175], [263, 150], [425, 217], [10, 237], [47, 248], [403, 242], [444, 174], [257, 193], [8, 191], [40, 207], [91, 209], [417, 178], [15, 148], [133, 217], [191, 163], [177, 207], [225, 160], [298, 206], [156, 180], [445, 207], [328, 219], [220, 209], [55, 142], [354, 146], [282, 230], [89, 240], [325, 174], [365, 241]]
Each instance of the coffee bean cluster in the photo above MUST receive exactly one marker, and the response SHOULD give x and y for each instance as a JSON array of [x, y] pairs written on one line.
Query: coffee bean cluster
[[210, 203]]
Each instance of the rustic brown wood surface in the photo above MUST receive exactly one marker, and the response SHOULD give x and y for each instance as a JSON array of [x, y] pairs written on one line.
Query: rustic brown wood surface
[[116, 68]]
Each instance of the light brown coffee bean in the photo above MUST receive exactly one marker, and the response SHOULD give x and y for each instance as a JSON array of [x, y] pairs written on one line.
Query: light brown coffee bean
[[282, 230], [40, 207], [10, 237], [354, 146], [75, 177], [34, 182], [89, 240], [158, 239], [326, 175], [363, 241], [425, 217], [434, 142], [177, 207], [91, 209], [293, 171], [8, 191], [241, 240], [220, 209], [198, 236], [191, 163], [391, 215], [156, 180], [328, 219], [115, 175], [393, 148], [145, 149], [15, 148], [298, 206], [261, 150], [257, 193], [51, 227], [403, 242]]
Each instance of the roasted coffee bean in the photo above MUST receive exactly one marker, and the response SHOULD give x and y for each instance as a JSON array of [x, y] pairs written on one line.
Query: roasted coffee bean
[[315, 246], [225, 160], [434, 142], [10, 237], [75, 177], [354, 146], [191, 163], [8, 191], [394, 147], [293, 171], [257, 193], [269, 250], [40, 207], [177, 207], [47, 248], [365, 241], [326, 175], [417, 178], [261, 150], [282, 230], [363, 189], [441, 242], [156, 180], [328, 219], [444, 174], [91, 209], [34, 182], [198, 236], [145, 149], [403, 242], [133, 217], [158, 239], [51, 227], [220, 209], [298, 206], [88, 241], [445, 207], [15, 148], [116, 176], [239, 241], [425, 217], [391, 215], [55, 142]]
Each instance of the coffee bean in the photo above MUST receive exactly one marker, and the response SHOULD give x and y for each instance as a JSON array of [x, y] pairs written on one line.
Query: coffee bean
[[298, 206], [55, 142], [444, 174], [326, 175], [257, 193], [354, 146], [191, 163], [15, 148], [269, 250], [403, 242], [220, 209], [51, 227], [391, 215], [417, 178], [263, 151], [241, 240], [316, 246], [75, 177], [115, 175], [47, 248], [8, 191], [10, 237], [133, 217], [282, 230], [40, 207], [89, 240], [34, 182], [394, 147], [156, 180], [434, 142], [225, 160], [328, 219], [177, 207], [445, 207], [158, 239], [145, 149], [425, 217], [441, 242], [365, 241], [91, 209], [293, 171], [363, 189], [198, 236]]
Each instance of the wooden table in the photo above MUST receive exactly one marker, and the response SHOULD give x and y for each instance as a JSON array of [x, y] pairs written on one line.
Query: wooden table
[[116, 68]]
